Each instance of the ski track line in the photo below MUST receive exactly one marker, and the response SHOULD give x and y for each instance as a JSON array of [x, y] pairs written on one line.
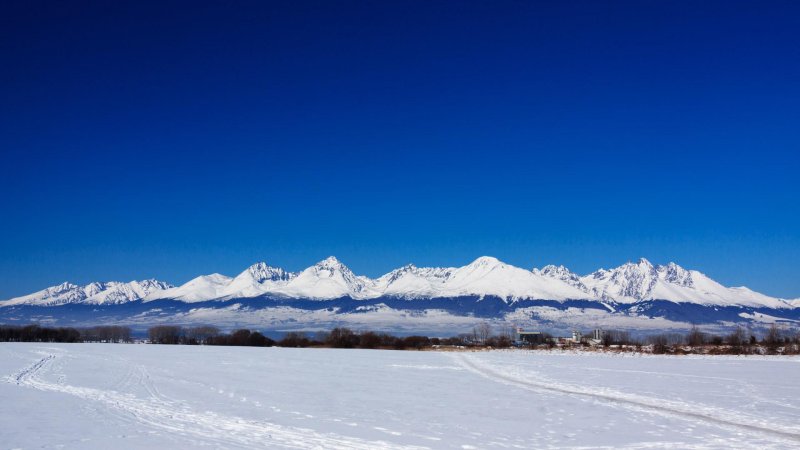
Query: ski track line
[[652, 404], [21, 377], [209, 426]]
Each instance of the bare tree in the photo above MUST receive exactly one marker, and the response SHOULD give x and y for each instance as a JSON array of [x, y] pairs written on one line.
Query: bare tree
[[320, 337], [616, 337], [660, 343], [737, 339], [506, 332], [369, 339], [482, 332], [342, 338], [695, 338], [165, 334], [773, 338], [295, 339], [202, 334]]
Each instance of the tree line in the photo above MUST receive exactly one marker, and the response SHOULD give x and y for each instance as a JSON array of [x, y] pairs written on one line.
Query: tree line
[[36, 333], [739, 341], [340, 337], [206, 335], [337, 338]]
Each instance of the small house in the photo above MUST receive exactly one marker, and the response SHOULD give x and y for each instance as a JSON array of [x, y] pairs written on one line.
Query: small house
[[522, 337]]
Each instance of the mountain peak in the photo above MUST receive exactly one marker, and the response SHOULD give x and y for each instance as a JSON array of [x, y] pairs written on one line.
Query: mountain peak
[[331, 265], [326, 279], [261, 272], [215, 277], [65, 286], [561, 273], [642, 266], [330, 262], [402, 270], [675, 274], [153, 284], [486, 261], [630, 280], [552, 269]]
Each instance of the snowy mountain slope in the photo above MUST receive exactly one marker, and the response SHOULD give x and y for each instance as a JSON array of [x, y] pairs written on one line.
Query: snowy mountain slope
[[625, 284], [116, 293], [488, 276], [563, 274], [111, 292], [256, 280], [634, 282], [202, 288], [411, 281], [628, 284], [55, 295], [327, 279]]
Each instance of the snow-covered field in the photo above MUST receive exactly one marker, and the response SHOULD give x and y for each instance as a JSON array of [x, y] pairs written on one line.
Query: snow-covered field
[[137, 396]]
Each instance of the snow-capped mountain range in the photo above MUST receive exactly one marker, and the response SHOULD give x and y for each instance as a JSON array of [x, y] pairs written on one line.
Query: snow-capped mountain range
[[111, 292], [329, 279]]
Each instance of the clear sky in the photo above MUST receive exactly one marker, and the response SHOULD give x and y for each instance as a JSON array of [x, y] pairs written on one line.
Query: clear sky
[[172, 139]]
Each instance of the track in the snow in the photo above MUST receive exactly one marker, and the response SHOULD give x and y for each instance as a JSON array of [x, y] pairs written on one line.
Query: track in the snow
[[224, 430], [656, 405]]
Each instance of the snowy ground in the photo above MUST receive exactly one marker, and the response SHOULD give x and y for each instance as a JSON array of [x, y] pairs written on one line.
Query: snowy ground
[[135, 396]]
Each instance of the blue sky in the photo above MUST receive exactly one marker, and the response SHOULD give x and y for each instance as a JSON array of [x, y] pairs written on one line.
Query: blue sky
[[172, 139]]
